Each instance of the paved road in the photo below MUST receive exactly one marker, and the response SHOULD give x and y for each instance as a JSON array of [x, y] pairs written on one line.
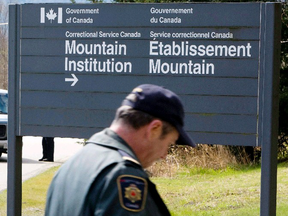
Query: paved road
[[32, 151]]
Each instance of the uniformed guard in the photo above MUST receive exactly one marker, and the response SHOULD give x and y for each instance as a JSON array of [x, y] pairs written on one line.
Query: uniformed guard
[[107, 177]]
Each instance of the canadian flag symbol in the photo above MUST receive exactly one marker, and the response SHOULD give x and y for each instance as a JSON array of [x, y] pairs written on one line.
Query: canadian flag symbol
[[51, 15]]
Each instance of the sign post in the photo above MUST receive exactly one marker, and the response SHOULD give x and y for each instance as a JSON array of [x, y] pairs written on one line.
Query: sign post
[[77, 62], [14, 182], [269, 106]]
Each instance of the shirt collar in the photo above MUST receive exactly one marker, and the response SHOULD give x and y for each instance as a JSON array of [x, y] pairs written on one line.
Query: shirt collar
[[110, 139]]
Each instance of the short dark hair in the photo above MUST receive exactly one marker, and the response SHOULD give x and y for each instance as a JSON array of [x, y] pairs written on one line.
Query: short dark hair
[[137, 119]]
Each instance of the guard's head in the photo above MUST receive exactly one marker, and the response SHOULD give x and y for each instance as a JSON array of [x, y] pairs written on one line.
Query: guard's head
[[160, 103]]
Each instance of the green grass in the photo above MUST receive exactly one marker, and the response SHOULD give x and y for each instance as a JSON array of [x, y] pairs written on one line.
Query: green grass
[[197, 192], [229, 192], [33, 194], [225, 192]]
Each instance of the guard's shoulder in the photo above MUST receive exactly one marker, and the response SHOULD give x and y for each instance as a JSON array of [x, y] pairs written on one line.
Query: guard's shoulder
[[131, 160], [132, 192], [128, 159], [132, 183]]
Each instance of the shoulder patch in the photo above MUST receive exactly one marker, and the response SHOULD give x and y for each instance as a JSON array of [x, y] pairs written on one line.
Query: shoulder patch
[[132, 192]]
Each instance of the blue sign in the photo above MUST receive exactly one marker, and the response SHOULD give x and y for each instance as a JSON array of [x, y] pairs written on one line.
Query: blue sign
[[78, 61]]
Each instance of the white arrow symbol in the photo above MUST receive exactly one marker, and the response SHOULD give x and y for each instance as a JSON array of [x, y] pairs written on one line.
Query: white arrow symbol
[[74, 80]]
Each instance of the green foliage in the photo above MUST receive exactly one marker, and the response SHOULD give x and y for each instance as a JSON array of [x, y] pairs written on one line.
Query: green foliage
[[161, 1], [183, 1], [95, 1]]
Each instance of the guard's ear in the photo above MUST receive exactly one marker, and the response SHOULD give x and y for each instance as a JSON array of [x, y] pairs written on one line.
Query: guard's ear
[[154, 129]]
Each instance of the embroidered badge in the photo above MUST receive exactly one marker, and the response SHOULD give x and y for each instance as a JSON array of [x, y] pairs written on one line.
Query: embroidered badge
[[132, 192]]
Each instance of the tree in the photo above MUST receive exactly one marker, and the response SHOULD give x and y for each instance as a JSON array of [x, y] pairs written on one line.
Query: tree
[[95, 1]]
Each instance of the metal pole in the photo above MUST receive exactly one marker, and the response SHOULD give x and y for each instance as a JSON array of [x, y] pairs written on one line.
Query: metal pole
[[14, 180], [269, 94]]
